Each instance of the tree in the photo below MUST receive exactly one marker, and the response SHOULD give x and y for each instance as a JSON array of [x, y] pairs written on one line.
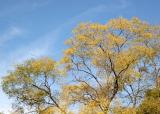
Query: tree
[[104, 58], [34, 84]]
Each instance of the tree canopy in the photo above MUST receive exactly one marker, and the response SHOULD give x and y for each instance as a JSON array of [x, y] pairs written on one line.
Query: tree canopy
[[111, 66]]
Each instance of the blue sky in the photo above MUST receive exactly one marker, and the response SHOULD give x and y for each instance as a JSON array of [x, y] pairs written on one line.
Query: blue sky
[[36, 28]]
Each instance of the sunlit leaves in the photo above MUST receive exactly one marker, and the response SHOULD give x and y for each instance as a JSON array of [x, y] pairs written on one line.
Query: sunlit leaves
[[108, 55], [33, 83]]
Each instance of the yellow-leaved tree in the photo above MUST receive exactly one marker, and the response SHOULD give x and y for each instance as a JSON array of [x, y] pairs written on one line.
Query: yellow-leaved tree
[[105, 58], [34, 84]]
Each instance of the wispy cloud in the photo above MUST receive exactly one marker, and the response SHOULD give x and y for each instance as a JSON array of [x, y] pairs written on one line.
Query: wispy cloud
[[11, 33], [92, 12], [34, 49], [42, 45]]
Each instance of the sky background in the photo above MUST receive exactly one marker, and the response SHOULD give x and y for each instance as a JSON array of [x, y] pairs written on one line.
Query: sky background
[[38, 28]]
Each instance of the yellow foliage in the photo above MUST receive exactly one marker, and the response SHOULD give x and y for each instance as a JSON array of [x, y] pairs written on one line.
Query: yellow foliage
[[69, 51], [120, 110], [97, 26], [90, 110], [120, 23], [115, 40], [81, 38], [43, 65], [65, 60], [145, 51], [93, 104]]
